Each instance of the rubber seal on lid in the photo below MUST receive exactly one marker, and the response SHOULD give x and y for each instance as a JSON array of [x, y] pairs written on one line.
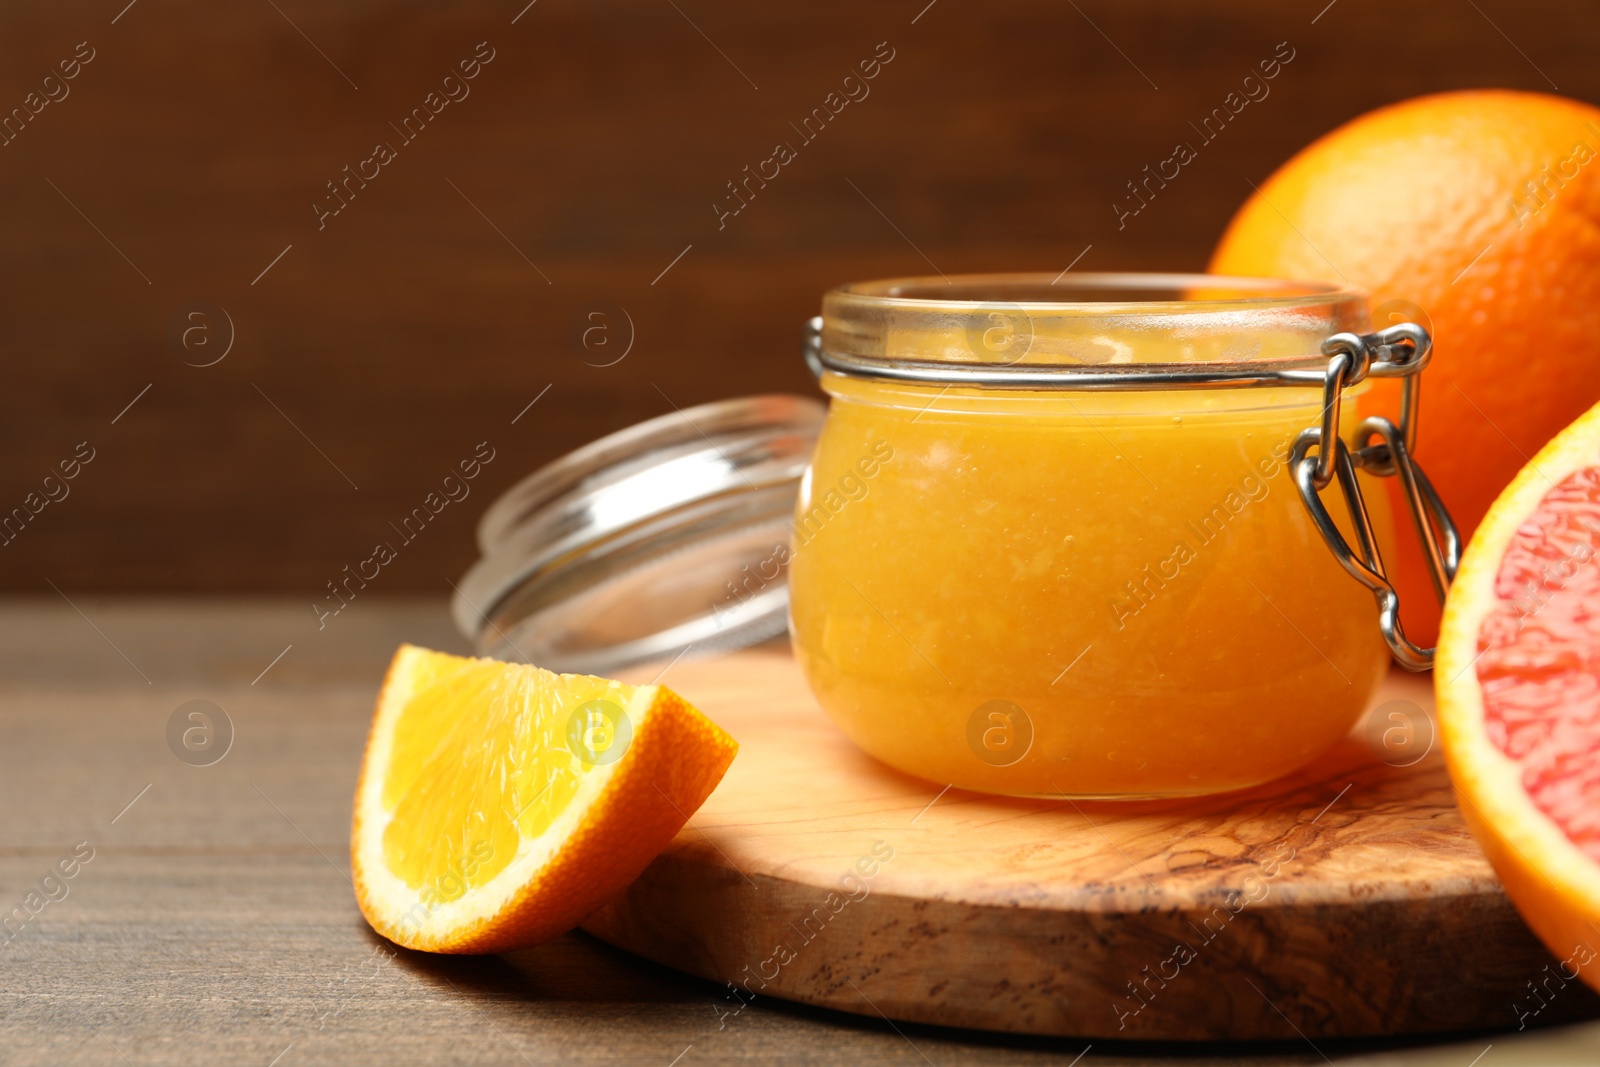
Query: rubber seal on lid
[[666, 538]]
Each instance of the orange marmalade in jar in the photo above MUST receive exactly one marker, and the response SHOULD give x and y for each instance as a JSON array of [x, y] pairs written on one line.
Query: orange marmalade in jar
[[1016, 573]]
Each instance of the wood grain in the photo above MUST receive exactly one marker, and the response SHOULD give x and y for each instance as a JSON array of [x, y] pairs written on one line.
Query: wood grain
[[416, 324], [1347, 900], [216, 923]]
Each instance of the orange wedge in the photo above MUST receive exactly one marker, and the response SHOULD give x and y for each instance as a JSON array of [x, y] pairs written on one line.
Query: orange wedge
[[500, 804], [1518, 682]]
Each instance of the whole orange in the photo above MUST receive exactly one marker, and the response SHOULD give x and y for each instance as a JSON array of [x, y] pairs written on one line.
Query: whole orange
[[1480, 213]]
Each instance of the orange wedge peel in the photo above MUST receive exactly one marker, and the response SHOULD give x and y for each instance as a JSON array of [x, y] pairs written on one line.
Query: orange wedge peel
[[499, 804]]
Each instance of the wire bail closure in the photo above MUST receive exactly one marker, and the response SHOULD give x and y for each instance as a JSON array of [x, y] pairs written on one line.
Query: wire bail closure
[[1381, 448]]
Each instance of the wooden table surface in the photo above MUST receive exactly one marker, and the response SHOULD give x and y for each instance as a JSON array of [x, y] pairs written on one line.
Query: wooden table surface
[[215, 921]]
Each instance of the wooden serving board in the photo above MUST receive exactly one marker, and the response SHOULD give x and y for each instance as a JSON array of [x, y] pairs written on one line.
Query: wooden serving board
[[1349, 900]]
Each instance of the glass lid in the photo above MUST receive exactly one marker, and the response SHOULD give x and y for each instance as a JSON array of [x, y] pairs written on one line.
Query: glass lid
[[664, 539]]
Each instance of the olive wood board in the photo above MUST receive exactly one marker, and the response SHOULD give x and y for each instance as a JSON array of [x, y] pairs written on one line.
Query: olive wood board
[[1346, 900]]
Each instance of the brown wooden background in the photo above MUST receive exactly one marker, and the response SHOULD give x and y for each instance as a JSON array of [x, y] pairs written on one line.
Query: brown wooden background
[[596, 141]]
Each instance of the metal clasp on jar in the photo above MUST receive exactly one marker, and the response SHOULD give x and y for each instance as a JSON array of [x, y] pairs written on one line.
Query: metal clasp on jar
[[1383, 449]]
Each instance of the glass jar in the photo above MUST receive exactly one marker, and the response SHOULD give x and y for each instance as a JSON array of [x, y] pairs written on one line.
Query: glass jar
[[1006, 579]]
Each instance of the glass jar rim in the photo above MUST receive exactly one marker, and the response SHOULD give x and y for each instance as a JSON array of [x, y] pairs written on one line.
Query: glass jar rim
[[1037, 292], [1146, 330]]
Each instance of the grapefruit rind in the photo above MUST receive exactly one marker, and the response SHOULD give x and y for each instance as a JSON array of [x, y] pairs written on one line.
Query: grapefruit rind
[[1552, 881], [622, 816]]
